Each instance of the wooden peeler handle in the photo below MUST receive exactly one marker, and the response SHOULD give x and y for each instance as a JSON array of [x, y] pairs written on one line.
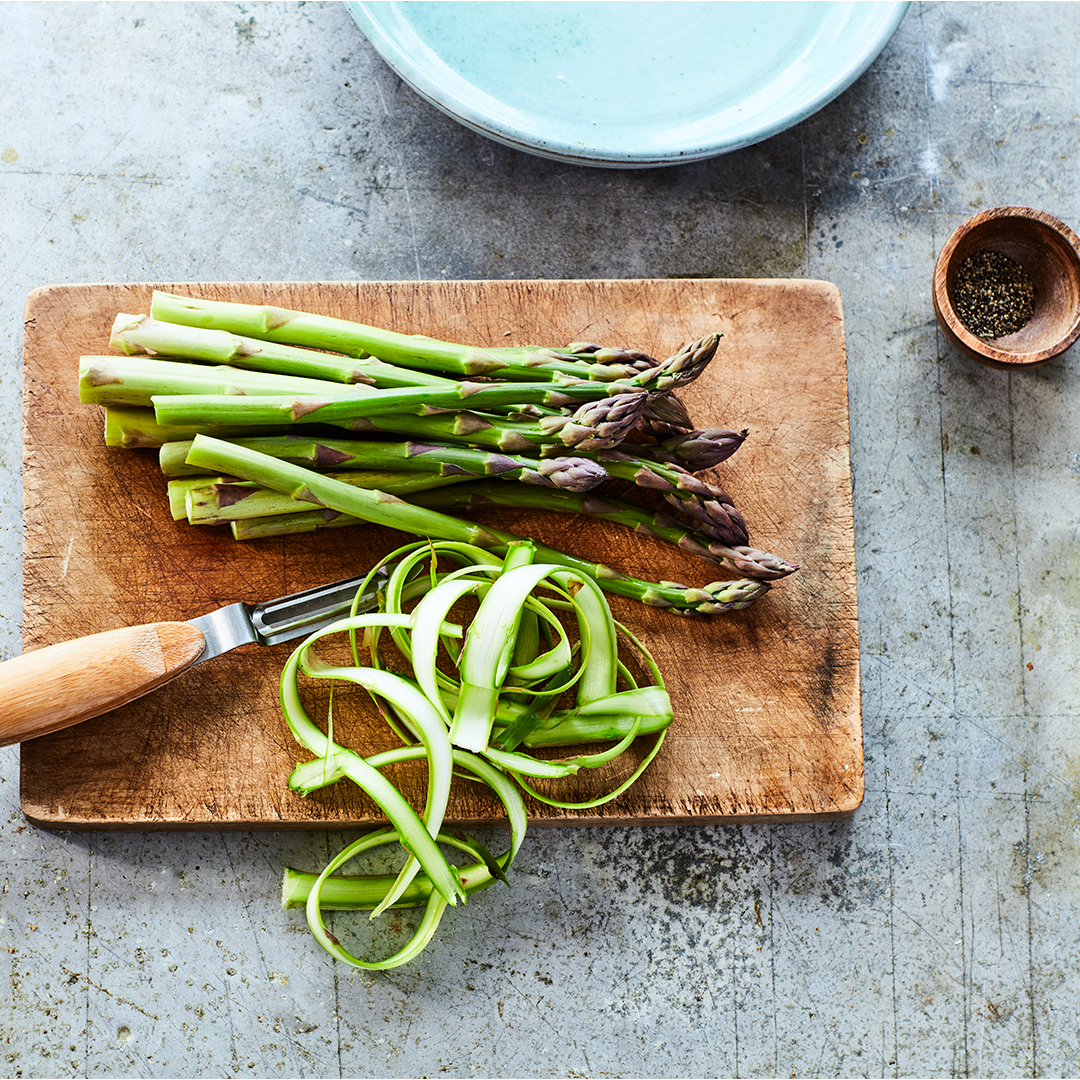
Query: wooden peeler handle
[[60, 685]]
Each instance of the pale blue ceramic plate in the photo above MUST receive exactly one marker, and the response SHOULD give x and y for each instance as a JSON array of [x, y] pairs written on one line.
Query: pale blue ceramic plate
[[627, 84]]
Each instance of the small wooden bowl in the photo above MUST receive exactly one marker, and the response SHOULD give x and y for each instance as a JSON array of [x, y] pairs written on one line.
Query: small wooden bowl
[[1049, 251]]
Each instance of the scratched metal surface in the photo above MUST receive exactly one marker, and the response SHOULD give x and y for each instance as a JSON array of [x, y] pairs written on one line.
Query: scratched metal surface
[[932, 933]]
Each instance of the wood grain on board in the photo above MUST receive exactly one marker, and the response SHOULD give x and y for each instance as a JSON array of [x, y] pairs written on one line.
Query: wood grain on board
[[768, 723]]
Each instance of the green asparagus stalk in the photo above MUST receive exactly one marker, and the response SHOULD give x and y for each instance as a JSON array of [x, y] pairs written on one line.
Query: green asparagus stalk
[[596, 425], [219, 500], [286, 326], [328, 406], [135, 380], [299, 449], [442, 459], [141, 335], [134, 427], [379, 508]]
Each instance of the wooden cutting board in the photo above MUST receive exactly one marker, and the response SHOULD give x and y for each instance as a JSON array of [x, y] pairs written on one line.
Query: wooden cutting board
[[766, 700]]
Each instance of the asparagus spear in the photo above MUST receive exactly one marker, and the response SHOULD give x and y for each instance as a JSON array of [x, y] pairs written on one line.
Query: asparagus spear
[[443, 459], [329, 407], [376, 507], [217, 500], [205, 500], [681, 368], [134, 427], [579, 360], [134, 380], [595, 426], [359, 340], [142, 335], [480, 495]]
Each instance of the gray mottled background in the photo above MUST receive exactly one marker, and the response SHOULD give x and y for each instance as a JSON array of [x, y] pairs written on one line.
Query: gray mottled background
[[932, 934]]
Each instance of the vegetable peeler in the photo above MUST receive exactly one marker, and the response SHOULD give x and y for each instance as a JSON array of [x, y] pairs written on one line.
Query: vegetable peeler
[[63, 684]]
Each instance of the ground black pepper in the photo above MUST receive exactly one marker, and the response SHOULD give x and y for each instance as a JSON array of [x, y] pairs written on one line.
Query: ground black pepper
[[993, 295]]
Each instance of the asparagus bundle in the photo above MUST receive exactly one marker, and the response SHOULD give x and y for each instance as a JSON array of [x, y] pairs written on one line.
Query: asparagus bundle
[[274, 420], [217, 500], [377, 507], [707, 505], [135, 427]]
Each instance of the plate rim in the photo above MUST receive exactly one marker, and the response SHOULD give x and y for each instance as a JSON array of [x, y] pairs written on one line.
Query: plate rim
[[892, 13]]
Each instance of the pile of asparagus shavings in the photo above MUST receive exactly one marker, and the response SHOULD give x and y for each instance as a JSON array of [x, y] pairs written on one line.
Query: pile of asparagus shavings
[[539, 663], [269, 421]]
